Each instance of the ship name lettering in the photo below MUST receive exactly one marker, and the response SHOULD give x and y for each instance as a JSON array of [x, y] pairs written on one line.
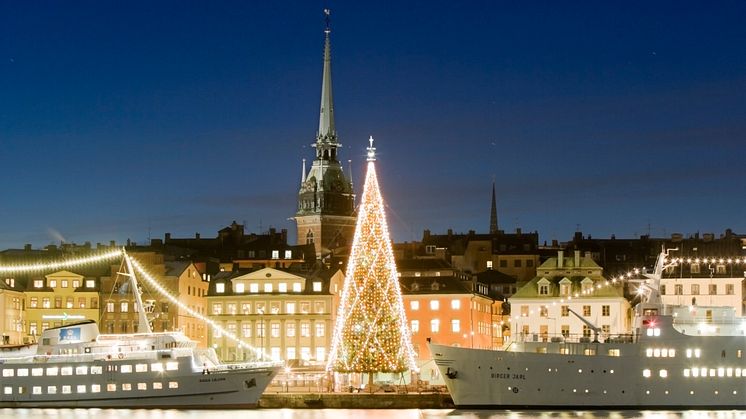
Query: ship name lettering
[[209, 380], [507, 376]]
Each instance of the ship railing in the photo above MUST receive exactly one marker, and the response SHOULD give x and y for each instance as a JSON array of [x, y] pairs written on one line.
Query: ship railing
[[572, 338], [226, 368]]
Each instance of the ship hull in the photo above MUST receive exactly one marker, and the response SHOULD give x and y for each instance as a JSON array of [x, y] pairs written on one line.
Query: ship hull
[[526, 380]]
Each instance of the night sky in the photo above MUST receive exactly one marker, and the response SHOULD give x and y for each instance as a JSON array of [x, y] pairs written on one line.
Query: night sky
[[132, 119]]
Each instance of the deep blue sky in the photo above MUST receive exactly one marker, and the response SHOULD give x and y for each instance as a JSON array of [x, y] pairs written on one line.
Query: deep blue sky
[[120, 118]]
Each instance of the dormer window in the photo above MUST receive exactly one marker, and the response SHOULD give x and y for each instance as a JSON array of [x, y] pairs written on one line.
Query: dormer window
[[220, 288], [275, 254], [268, 287], [239, 287], [38, 283], [11, 282], [435, 286], [415, 287], [586, 285], [288, 254], [543, 286], [253, 288], [89, 283], [565, 287]]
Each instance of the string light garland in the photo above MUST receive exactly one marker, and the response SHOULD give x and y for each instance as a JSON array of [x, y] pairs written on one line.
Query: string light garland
[[371, 333], [64, 264]]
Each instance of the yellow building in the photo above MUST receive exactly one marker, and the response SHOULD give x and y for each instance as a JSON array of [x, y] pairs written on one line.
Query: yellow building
[[54, 299], [12, 314], [288, 313]]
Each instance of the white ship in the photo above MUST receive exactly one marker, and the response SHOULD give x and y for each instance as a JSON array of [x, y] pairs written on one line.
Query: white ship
[[75, 366], [676, 357]]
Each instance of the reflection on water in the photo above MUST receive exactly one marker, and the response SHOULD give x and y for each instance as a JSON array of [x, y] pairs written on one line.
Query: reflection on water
[[364, 414]]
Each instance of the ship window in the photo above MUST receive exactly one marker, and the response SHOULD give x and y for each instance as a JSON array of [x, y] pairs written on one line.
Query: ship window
[[95, 388], [52, 371], [51, 389], [125, 369], [23, 372], [37, 372], [695, 372], [126, 387], [646, 373], [142, 386], [8, 390], [686, 372], [172, 366], [649, 352], [738, 353], [173, 384], [157, 367], [67, 389], [141, 368], [721, 372], [111, 387], [663, 373], [614, 352], [36, 390], [703, 372], [8, 373], [81, 388], [157, 385], [81, 370], [729, 372], [656, 353], [97, 369], [743, 372], [697, 353], [66, 371]]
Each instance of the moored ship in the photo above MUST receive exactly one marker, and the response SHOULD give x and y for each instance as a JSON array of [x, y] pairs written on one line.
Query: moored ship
[[75, 366], [675, 357]]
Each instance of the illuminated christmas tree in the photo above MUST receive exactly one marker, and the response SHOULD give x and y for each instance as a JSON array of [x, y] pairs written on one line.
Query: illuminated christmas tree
[[371, 333]]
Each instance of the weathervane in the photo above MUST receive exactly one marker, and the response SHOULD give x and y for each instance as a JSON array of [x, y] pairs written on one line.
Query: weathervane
[[327, 13]]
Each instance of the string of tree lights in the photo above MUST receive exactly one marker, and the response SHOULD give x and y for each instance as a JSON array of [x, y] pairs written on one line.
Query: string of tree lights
[[371, 334], [143, 274], [634, 275]]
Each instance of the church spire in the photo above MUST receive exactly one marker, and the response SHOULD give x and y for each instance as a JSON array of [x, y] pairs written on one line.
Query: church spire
[[327, 132], [493, 212]]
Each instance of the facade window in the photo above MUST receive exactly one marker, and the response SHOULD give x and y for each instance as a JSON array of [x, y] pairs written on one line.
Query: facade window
[[81, 302], [713, 288], [320, 330], [309, 237], [290, 308], [524, 311], [268, 287], [231, 308], [605, 310], [565, 311], [296, 287], [57, 302], [517, 263], [90, 283], [415, 326], [414, 305], [239, 287], [288, 254], [45, 302], [455, 325], [695, 289], [76, 283], [64, 283], [565, 289], [503, 263], [291, 330], [663, 290], [317, 287], [254, 288], [275, 254], [124, 306], [305, 307], [678, 289], [291, 352], [729, 289], [110, 306], [694, 267], [220, 288], [70, 302], [274, 307], [246, 330], [305, 329], [529, 263], [245, 308], [217, 308], [320, 353], [720, 269], [586, 331], [544, 311], [434, 304], [455, 304], [435, 325], [586, 311], [544, 289], [33, 302], [274, 329], [489, 264], [38, 283], [259, 330], [282, 287], [320, 307], [52, 283]]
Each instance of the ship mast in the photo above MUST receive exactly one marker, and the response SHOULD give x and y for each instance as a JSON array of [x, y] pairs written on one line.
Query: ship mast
[[143, 324]]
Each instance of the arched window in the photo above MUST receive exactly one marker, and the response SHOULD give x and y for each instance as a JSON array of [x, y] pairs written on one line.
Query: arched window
[[309, 237]]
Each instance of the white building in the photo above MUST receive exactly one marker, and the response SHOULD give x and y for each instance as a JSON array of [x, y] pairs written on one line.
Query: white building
[[543, 308], [699, 284]]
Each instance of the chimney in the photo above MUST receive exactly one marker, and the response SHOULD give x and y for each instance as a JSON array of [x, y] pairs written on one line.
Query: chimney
[[196, 236], [112, 243], [518, 231], [168, 237], [27, 247], [577, 258], [425, 235], [560, 259]]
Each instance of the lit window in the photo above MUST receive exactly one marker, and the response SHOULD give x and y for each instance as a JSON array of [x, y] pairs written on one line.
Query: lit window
[[156, 367], [217, 308], [317, 286], [67, 389], [319, 329], [124, 306], [173, 384], [254, 288], [76, 283], [141, 368], [268, 287], [8, 390], [663, 373], [23, 372], [51, 389], [52, 283], [296, 287], [288, 254], [646, 373], [649, 352], [415, 326], [290, 308], [275, 254], [90, 283], [95, 388], [36, 390], [157, 385], [81, 370], [38, 283], [172, 366], [124, 369], [37, 372], [63, 283], [434, 304], [455, 325], [127, 387], [51, 371], [239, 288], [142, 386], [455, 304], [435, 325], [282, 287], [697, 353], [687, 372], [414, 305], [66, 371], [81, 388]]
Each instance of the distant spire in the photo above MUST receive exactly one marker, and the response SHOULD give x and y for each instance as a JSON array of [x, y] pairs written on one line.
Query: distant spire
[[493, 212], [326, 116], [303, 173]]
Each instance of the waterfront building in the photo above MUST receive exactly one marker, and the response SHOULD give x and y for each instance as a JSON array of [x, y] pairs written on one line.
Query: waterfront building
[[12, 313], [326, 201], [445, 310], [714, 283], [543, 308], [58, 298], [288, 313]]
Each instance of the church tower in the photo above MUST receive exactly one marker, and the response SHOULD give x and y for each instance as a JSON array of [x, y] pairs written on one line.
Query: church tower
[[326, 202]]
